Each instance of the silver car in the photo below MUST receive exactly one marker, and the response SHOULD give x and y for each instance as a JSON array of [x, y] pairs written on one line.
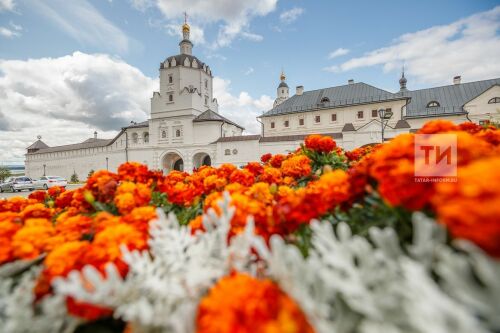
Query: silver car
[[17, 184], [46, 182]]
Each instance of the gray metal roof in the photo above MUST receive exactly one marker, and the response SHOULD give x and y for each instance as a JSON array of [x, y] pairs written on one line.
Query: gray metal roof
[[89, 143], [238, 138], [38, 144], [210, 115], [283, 85], [451, 98], [139, 125], [340, 96]]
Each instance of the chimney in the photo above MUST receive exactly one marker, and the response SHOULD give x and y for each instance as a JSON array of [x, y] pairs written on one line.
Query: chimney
[[95, 135], [350, 81], [457, 79], [299, 90]]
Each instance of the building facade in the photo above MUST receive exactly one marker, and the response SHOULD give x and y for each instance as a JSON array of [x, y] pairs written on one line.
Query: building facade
[[186, 131]]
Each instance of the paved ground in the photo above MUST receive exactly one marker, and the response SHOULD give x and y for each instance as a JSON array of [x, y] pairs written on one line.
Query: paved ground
[[25, 193]]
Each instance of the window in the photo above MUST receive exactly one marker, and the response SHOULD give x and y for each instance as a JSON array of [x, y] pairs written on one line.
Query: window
[[135, 138], [317, 119], [272, 124], [206, 100], [235, 151], [494, 100], [170, 78], [177, 133], [360, 114], [146, 137], [286, 123], [374, 113], [282, 91], [432, 104], [334, 117], [163, 134], [301, 121], [206, 83], [227, 152], [325, 100], [170, 97]]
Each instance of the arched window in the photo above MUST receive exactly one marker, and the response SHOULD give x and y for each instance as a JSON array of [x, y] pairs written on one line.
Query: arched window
[[163, 134], [494, 100], [146, 137], [325, 100], [135, 138], [433, 104], [178, 133]]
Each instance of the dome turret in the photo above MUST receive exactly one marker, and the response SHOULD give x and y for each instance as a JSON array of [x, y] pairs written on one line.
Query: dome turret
[[282, 90]]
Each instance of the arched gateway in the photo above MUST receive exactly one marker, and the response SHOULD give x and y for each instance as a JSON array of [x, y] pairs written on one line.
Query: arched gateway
[[172, 161]]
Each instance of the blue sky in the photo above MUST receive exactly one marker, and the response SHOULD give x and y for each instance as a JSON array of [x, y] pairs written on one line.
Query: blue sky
[[76, 61]]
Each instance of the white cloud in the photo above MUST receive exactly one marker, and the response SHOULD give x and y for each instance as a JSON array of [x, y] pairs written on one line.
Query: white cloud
[[291, 15], [469, 47], [332, 69], [7, 5], [84, 23], [249, 71], [232, 17], [9, 33], [338, 53], [241, 108], [197, 35], [65, 99]]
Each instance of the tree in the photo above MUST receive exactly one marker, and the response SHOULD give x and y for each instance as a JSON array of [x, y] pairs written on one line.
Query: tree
[[4, 173], [91, 172], [74, 178]]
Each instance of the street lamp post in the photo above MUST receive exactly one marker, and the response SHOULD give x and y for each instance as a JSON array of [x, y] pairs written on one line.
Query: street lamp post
[[384, 115], [44, 169], [107, 168]]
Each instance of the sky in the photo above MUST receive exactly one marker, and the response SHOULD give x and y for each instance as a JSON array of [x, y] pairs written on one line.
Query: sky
[[69, 68]]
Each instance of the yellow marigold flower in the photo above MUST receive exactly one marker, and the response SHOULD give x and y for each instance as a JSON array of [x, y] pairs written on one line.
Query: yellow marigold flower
[[31, 240]]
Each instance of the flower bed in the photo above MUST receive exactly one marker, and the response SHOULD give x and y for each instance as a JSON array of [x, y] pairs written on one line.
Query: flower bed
[[232, 249]]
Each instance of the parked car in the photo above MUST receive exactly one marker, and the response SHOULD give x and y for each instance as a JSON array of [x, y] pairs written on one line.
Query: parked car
[[15, 184], [47, 182]]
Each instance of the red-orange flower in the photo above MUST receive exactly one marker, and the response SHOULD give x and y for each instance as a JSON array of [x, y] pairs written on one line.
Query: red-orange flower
[[266, 157], [243, 304], [31, 240], [296, 166], [320, 143]]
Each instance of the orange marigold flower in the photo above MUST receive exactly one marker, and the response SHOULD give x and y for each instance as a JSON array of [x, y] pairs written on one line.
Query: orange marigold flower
[[276, 160], [437, 126], [31, 240], [243, 304], [73, 228], [470, 207], [15, 204], [255, 168], [296, 166], [225, 170], [140, 217], [266, 157], [271, 175], [37, 211], [130, 195], [196, 224], [86, 310], [39, 196], [8, 229], [133, 172], [64, 199], [55, 191], [103, 185], [213, 182], [242, 176], [320, 143]]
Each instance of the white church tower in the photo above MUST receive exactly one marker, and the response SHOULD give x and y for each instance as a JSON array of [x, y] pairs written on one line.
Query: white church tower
[[185, 84], [282, 90]]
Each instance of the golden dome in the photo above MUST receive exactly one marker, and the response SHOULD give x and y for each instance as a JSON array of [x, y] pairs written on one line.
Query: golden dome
[[282, 76], [185, 27]]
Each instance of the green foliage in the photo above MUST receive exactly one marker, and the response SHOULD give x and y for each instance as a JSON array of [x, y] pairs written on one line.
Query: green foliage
[[4, 173], [74, 178], [319, 160]]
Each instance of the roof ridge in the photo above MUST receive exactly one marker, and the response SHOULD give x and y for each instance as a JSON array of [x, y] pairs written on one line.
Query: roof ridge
[[453, 84]]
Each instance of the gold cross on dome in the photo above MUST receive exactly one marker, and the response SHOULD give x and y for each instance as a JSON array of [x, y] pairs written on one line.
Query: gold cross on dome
[[185, 18]]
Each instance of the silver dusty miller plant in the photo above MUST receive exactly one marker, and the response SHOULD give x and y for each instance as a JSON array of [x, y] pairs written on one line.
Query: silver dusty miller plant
[[164, 286], [347, 284]]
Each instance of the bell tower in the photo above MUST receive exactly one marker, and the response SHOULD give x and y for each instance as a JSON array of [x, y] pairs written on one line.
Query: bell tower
[[282, 92]]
